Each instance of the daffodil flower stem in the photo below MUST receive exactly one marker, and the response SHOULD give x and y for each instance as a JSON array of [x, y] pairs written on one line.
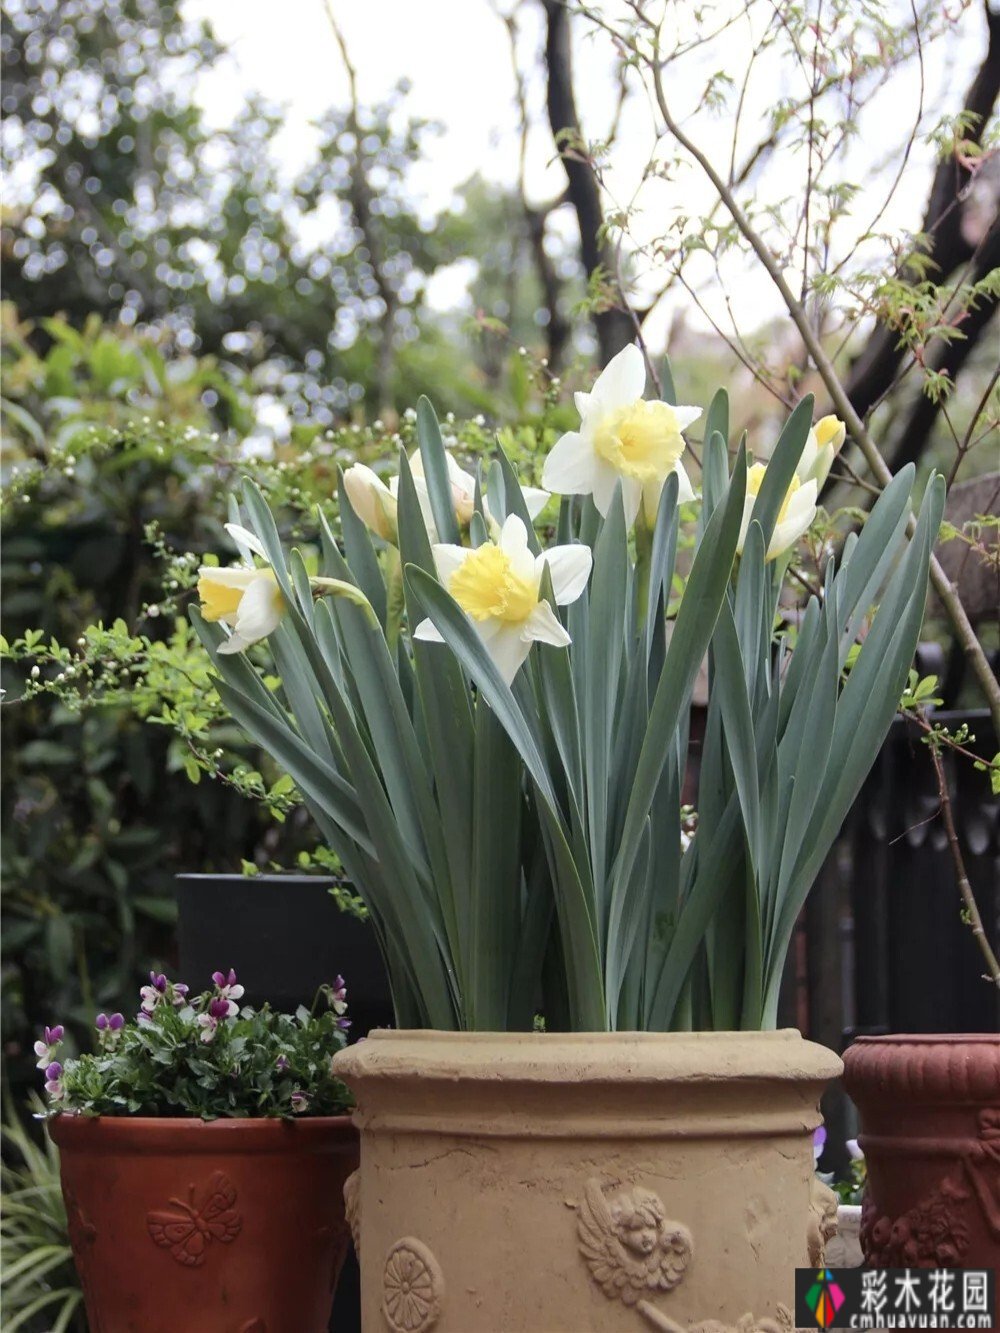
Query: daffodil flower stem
[[395, 604], [643, 560]]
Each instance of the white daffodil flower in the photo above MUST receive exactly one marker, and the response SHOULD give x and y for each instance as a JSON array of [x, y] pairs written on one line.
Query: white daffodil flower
[[372, 500], [824, 443], [247, 600], [497, 586], [622, 437], [463, 495], [797, 511]]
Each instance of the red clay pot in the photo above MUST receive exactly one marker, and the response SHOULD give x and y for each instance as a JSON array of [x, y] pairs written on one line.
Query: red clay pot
[[186, 1226], [930, 1132]]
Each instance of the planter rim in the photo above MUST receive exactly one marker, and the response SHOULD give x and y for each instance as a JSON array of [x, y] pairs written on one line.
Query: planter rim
[[949, 1068], [593, 1057], [926, 1039], [188, 1134]]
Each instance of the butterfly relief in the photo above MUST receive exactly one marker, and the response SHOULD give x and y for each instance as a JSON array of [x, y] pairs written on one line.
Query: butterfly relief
[[187, 1230]]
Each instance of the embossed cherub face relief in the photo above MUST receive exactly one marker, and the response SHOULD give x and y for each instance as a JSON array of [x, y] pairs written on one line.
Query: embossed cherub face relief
[[638, 1221]]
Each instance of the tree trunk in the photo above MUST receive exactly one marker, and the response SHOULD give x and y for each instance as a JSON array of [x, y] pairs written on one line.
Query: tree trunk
[[614, 326]]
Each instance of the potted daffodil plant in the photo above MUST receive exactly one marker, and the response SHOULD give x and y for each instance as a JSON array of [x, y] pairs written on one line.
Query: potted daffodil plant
[[488, 721]]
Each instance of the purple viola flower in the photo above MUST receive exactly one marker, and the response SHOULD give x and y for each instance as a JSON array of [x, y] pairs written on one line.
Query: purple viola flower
[[343, 1024], [338, 996], [300, 1103], [154, 992], [143, 1018], [227, 985], [819, 1143], [178, 993], [53, 1079], [218, 1011], [281, 1064], [46, 1047], [109, 1026]]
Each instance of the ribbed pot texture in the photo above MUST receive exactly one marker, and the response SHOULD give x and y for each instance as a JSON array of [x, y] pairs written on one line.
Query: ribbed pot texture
[[930, 1132], [547, 1183], [182, 1226]]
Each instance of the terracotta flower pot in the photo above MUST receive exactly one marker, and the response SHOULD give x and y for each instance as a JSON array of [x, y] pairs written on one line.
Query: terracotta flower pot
[[231, 1226], [584, 1182], [930, 1132]]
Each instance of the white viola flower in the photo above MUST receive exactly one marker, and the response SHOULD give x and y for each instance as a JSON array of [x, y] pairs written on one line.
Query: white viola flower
[[794, 517], [372, 500], [823, 444], [463, 494], [497, 586], [622, 438]]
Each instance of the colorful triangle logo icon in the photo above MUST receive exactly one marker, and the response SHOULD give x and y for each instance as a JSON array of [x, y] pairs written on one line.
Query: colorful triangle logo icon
[[824, 1298]]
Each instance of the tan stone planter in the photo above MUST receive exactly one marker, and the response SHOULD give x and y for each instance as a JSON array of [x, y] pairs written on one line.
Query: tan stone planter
[[567, 1183]]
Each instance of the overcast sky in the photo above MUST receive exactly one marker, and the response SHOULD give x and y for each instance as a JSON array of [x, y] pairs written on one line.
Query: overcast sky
[[455, 53]]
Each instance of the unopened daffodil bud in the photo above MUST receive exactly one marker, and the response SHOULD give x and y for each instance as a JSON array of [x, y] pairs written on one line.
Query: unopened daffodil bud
[[826, 439], [372, 501]]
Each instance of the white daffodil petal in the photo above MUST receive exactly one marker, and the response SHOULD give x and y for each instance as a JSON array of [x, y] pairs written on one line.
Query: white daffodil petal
[[535, 500], [570, 568], [543, 626], [259, 611], [582, 402], [631, 497], [234, 644], [569, 469], [801, 512], [229, 578], [428, 632], [448, 558], [686, 415], [603, 489], [508, 649], [748, 504], [621, 382], [685, 491], [246, 541], [808, 457]]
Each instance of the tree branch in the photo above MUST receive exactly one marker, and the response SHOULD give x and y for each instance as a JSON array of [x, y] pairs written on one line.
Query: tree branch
[[874, 371], [842, 404]]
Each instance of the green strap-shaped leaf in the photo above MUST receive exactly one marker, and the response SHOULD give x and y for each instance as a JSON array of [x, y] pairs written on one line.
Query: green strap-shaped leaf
[[706, 589], [435, 461], [360, 552], [514, 500]]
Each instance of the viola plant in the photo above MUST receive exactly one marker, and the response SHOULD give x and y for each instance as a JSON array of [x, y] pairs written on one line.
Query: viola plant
[[489, 721], [204, 1056]]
